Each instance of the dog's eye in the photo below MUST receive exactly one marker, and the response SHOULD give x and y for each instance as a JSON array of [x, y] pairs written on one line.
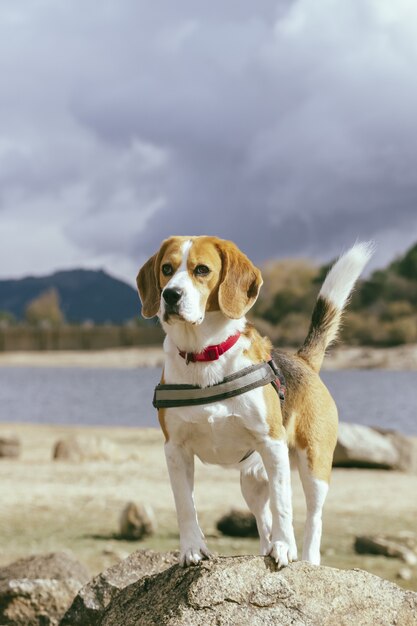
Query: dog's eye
[[201, 270], [167, 269]]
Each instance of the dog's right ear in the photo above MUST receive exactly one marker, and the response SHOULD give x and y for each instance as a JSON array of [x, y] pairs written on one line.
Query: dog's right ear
[[148, 286]]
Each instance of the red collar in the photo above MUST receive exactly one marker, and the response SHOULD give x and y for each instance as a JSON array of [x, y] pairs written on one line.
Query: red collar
[[211, 353]]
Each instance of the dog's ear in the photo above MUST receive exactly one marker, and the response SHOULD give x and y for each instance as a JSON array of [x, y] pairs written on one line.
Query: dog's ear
[[240, 281], [148, 286]]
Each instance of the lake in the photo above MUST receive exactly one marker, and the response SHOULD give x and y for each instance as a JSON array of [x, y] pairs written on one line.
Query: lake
[[116, 397]]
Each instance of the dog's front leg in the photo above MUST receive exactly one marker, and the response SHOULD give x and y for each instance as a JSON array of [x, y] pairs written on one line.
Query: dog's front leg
[[180, 462], [275, 457]]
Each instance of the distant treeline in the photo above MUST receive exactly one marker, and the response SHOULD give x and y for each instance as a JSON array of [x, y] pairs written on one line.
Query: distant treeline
[[382, 311], [65, 337]]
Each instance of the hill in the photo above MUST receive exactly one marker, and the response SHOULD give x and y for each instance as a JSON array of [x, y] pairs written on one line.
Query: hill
[[83, 295]]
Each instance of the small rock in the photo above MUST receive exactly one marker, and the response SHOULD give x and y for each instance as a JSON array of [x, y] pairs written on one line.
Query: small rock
[[77, 449], [379, 544], [409, 557], [238, 524], [115, 554], [405, 573], [137, 521], [37, 590], [10, 446]]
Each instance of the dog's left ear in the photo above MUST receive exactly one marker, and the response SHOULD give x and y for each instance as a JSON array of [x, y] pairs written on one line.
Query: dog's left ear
[[240, 281], [148, 286]]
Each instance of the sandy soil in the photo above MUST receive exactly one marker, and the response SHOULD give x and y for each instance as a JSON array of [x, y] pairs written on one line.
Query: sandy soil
[[397, 358], [50, 505]]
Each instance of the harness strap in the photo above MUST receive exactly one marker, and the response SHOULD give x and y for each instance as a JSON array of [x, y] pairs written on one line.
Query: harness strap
[[168, 396]]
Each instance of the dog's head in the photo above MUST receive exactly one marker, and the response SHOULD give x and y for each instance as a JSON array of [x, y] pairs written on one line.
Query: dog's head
[[190, 276]]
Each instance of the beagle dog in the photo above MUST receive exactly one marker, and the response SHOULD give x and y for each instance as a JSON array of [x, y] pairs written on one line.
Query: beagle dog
[[201, 289]]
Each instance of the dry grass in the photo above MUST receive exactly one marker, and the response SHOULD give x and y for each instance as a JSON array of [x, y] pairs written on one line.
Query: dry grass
[[47, 505]]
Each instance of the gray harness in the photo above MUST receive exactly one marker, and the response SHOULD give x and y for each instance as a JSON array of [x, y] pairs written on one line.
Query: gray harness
[[259, 375]]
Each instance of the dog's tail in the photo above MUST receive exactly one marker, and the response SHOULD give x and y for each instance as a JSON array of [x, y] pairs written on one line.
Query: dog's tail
[[333, 296]]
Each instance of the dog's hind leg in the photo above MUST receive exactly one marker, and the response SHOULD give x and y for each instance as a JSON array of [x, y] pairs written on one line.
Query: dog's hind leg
[[274, 454], [315, 491], [255, 490]]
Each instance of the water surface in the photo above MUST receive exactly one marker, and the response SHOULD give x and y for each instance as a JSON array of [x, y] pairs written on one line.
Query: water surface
[[115, 397]]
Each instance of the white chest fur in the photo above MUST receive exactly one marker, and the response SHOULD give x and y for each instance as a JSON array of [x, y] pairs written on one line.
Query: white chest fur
[[221, 432]]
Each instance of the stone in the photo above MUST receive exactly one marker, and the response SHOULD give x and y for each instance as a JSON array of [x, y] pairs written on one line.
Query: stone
[[77, 449], [248, 591], [386, 546], [361, 446], [238, 523], [407, 461], [405, 573], [10, 446], [37, 590], [137, 521], [91, 601]]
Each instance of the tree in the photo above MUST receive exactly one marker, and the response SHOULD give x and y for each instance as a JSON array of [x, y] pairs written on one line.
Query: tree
[[407, 266], [45, 308], [7, 318]]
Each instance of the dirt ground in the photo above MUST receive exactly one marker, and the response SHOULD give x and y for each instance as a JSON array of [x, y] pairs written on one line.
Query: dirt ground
[[50, 505], [339, 357]]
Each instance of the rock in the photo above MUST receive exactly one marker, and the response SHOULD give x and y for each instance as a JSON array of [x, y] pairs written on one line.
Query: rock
[[406, 538], [380, 544], [137, 521], [405, 449], [405, 573], [248, 591], [238, 524], [89, 605], [360, 446], [9, 446], [36, 591], [78, 449]]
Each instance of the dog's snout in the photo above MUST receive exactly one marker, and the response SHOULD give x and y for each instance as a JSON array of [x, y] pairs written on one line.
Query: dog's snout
[[172, 296]]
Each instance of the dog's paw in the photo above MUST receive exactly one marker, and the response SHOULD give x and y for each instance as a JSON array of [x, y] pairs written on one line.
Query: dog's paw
[[193, 554], [282, 553]]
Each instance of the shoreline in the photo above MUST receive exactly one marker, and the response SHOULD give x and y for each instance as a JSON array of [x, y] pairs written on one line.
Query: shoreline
[[344, 357]]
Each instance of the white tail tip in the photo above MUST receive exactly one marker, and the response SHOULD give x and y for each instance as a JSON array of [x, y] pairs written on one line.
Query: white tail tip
[[340, 280]]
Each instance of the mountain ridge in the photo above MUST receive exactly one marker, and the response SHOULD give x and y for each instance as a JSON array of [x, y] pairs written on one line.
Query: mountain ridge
[[84, 294]]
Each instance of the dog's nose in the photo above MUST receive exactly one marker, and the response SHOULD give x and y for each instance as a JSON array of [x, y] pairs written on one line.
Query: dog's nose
[[172, 296]]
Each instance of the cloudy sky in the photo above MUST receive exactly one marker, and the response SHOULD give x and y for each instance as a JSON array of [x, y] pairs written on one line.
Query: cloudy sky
[[289, 126]]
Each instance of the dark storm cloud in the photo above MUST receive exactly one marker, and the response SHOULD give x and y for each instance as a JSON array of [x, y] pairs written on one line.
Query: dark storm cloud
[[288, 127]]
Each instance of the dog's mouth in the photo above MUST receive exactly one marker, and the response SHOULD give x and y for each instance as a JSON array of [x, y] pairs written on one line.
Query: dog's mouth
[[171, 311], [173, 315]]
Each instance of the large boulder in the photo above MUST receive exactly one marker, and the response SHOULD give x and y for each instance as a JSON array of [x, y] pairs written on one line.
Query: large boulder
[[249, 591], [36, 591], [405, 447], [89, 605], [361, 446]]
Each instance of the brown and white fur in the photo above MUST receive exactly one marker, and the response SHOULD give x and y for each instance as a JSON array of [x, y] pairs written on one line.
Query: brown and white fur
[[215, 286]]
